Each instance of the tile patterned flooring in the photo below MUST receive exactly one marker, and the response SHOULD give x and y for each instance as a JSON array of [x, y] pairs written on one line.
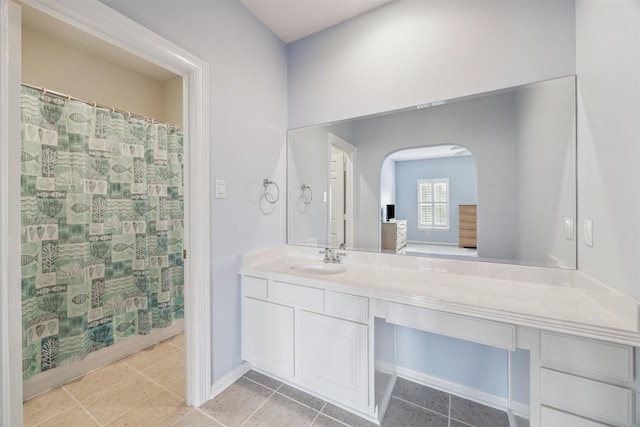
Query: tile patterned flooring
[[147, 389]]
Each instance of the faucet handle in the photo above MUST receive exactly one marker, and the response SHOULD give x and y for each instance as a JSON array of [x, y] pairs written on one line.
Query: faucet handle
[[328, 254], [338, 255]]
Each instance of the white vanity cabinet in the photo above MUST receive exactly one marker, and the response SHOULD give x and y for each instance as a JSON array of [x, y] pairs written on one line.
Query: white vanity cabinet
[[332, 351], [313, 338], [268, 336], [585, 382], [318, 333]]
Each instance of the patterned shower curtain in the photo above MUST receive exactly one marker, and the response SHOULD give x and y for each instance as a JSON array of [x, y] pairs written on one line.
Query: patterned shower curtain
[[102, 228]]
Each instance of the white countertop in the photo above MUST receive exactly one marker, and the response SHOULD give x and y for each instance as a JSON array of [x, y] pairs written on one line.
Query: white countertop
[[564, 301]]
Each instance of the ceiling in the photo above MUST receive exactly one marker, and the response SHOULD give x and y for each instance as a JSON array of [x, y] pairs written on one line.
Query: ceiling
[[425, 153], [292, 20]]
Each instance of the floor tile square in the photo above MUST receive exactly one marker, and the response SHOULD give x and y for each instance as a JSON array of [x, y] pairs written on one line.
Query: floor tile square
[[324, 421], [114, 401], [162, 409], [429, 398], [477, 414], [236, 404], [302, 397], [96, 381], [404, 414], [151, 355], [167, 371], [75, 416], [346, 416], [197, 418], [283, 412], [266, 381], [46, 405]]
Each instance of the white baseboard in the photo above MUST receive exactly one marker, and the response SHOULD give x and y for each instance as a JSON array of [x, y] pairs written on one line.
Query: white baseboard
[[424, 242], [460, 390], [520, 409], [233, 376]]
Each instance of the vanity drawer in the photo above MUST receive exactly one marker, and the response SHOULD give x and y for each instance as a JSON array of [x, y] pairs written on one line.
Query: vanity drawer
[[347, 306], [486, 332], [592, 399], [587, 356], [254, 287], [550, 417], [302, 296]]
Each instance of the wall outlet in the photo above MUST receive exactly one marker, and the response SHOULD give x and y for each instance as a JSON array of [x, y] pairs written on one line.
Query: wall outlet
[[588, 232], [568, 229]]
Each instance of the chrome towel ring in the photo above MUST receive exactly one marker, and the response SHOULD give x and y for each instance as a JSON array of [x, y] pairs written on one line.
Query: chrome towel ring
[[307, 194], [267, 196]]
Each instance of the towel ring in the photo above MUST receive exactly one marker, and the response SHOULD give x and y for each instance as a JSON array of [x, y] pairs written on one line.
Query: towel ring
[[306, 190], [267, 196]]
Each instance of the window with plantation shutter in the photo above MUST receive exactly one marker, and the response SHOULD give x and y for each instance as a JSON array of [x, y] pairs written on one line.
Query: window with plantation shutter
[[433, 203]]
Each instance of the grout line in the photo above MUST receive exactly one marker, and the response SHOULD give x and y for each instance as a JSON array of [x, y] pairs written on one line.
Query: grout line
[[207, 415], [314, 418], [302, 403], [449, 413], [81, 405], [263, 385], [259, 407]]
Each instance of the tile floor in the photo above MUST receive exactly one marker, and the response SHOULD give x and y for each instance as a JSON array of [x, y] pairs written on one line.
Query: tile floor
[[147, 389]]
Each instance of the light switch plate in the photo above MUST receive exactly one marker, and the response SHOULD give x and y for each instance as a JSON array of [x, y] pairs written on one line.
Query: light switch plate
[[220, 190], [588, 232]]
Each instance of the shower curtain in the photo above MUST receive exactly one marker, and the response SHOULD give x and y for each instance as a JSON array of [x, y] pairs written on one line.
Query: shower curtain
[[102, 228]]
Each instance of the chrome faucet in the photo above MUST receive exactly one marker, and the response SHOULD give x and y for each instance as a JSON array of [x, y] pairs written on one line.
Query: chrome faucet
[[332, 257]]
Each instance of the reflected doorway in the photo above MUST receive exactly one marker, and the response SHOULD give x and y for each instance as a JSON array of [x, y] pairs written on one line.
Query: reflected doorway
[[341, 190], [434, 192]]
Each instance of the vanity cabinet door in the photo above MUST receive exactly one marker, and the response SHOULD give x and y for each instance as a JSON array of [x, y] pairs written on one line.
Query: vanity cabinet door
[[268, 336], [334, 358]]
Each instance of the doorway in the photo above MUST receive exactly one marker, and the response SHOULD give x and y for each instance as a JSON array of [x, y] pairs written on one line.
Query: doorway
[[108, 25], [341, 192]]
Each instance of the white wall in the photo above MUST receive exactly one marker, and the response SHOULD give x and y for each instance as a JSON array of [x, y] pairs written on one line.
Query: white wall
[[608, 68], [248, 124], [412, 52]]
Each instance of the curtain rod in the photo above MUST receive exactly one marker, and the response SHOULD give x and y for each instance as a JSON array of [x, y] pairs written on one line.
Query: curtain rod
[[93, 103]]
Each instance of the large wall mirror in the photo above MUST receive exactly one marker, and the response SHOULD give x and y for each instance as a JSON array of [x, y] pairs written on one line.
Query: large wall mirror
[[489, 177]]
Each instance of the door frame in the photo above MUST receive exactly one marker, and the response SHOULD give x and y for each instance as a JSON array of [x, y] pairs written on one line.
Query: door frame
[[109, 25], [350, 184]]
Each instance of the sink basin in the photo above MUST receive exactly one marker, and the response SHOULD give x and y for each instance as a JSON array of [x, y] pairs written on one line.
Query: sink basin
[[318, 268]]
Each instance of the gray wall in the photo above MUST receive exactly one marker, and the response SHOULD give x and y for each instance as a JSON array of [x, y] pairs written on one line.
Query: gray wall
[[608, 66], [484, 125], [409, 53], [308, 164], [248, 124], [542, 195], [412, 52]]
